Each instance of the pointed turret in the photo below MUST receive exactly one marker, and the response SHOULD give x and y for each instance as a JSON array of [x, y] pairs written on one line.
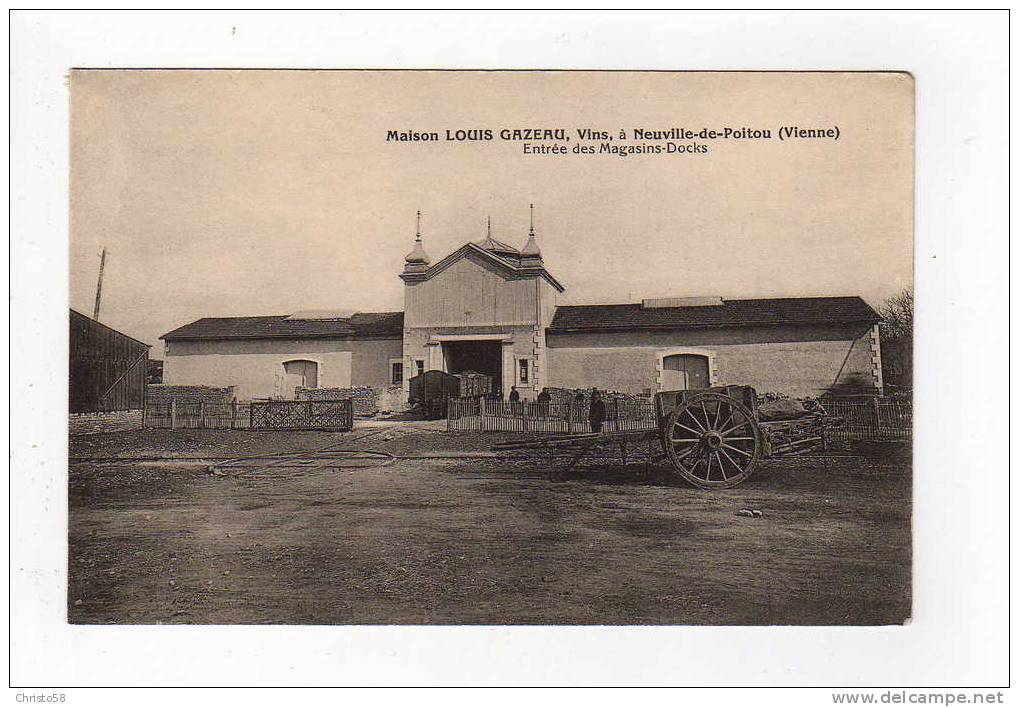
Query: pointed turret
[[417, 260], [530, 254]]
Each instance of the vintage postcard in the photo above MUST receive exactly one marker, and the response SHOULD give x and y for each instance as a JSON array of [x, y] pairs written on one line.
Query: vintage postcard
[[490, 347]]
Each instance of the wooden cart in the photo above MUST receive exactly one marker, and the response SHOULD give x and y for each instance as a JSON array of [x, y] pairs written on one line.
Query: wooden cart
[[713, 438]]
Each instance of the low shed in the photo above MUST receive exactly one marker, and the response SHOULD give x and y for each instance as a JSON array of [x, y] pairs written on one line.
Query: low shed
[[107, 368]]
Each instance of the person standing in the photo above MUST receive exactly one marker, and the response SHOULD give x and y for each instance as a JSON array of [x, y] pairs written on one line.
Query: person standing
[[543, 401], [597, 412], [514, 401]]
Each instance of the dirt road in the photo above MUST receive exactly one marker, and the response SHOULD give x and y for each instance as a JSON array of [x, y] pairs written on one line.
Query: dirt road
[[474, 541]]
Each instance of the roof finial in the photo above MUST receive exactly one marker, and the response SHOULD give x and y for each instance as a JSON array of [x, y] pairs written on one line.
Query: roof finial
[[489, 226], [531, 254], [417, 259]]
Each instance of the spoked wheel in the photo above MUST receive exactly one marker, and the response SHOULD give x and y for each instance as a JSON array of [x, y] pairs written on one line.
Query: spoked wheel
[[712, 440]]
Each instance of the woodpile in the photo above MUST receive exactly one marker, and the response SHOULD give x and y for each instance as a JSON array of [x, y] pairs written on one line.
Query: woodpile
[[564, 396], [160, 394]]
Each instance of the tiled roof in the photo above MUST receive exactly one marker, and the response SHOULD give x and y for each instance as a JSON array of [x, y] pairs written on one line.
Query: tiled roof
[[740, 312], [368, 324], [363, 324]]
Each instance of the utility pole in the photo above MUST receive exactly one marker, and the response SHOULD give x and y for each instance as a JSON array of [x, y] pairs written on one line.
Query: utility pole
[[99, 284]]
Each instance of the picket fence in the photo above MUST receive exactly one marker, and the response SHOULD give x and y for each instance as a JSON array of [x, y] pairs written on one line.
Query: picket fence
[[487, 415], [266, 414]]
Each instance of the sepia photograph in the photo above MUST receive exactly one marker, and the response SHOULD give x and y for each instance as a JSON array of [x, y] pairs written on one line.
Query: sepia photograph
[[458, 347], [450, 350]]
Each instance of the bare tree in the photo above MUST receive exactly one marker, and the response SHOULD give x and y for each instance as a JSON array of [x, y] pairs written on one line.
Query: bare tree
[[897, 341], [897, 312]]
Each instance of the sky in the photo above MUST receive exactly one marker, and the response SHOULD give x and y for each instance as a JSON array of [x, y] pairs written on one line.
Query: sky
[[232, 193]]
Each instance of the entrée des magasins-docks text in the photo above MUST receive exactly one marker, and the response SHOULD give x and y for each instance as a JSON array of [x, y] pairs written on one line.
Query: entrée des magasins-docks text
[[550, 140]]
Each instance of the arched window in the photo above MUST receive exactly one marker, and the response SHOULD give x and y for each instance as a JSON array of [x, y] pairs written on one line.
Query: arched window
[[685, 372], [303, 374]]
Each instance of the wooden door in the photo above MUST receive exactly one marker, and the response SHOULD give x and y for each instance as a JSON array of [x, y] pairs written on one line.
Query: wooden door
[[685, 372]]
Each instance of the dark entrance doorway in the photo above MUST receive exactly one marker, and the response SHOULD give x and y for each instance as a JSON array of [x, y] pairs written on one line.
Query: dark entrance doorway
[[475, 357]]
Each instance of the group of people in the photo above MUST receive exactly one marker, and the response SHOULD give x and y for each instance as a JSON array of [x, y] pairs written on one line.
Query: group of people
[[595, 415]]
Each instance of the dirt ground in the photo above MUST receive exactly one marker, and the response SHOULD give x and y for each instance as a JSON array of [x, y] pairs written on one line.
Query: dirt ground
[[155, 538]]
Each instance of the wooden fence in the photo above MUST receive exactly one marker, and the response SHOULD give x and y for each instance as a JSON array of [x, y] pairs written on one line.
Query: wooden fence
[[487, 415], [862, 419], [876, 419], [193, 415], [270, 414]]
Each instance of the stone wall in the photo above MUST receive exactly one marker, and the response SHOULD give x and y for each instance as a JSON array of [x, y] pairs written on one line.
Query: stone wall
[[162, 394], [365, 399], [392, 399], [96, 422]]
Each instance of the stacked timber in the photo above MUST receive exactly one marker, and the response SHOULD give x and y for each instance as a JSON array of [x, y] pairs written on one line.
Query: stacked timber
[[474, 385]]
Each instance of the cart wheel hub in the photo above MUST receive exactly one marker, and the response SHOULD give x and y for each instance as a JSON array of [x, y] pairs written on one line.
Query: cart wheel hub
[[713, 440]]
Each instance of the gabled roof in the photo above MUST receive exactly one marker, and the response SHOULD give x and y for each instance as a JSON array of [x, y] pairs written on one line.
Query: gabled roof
[[83, 320], [731, 313], [360, 325], [509, 264]]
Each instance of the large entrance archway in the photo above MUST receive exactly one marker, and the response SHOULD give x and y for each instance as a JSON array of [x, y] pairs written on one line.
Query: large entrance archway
[[474, 356]]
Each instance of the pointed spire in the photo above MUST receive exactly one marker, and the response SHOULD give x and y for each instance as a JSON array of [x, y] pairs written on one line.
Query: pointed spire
[[531, 254], [489, 228], [417, 260]]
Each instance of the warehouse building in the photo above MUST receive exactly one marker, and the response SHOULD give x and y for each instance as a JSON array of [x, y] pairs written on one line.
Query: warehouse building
[[491, 308]]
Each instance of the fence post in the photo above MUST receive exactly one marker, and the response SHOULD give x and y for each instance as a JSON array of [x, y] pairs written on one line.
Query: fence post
[[233, 414], [619, 421], [877, 414], [173, 413], [201, 414]]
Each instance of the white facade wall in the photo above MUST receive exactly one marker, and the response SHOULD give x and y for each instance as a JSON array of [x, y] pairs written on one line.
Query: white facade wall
[[801, 361], [473, 298], [255, 366]]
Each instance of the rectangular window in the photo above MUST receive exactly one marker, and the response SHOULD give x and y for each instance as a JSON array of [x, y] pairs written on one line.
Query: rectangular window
[[525, 371], [420, 365], [397, 376]]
